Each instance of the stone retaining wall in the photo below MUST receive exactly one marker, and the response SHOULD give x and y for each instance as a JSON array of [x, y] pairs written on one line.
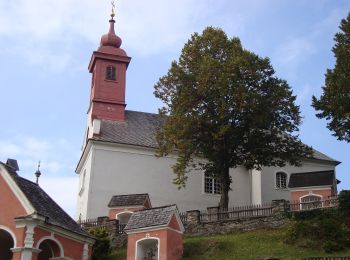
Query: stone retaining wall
[[278, 219]]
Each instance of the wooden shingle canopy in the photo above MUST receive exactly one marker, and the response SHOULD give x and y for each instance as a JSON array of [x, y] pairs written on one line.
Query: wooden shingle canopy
[[311, 179], [154, 217], [129, 200]]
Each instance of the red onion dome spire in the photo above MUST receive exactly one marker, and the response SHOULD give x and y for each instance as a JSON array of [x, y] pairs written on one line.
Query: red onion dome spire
[[111, 39]]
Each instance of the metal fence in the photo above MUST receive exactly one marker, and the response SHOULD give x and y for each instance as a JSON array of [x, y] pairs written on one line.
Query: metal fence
[[105, 224], [183, 217]]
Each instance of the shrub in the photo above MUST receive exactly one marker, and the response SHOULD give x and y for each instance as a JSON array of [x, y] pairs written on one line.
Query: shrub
[[102, 247], [314, 214], [344, 201], [325, 232]]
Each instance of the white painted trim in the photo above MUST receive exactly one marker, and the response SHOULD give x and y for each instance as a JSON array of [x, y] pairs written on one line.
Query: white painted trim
[[53, 239], [123, 212], [310, 194], [324, 187], [8, 230], [16, 191], [57, 230], [96, 126], [83, 157], [150, 229], [85, 252], [178, 219], [148, 238]]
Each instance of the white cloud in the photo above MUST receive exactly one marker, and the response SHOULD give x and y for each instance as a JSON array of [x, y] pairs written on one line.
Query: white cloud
[[34, 29], [296, 50], [30, 150], [58, 178], [290, 54]]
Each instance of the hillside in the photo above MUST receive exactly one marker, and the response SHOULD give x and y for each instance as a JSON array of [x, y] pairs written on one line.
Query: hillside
[[243, 246]]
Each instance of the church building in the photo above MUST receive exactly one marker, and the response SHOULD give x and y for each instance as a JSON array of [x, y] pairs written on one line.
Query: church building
[[118, 154]]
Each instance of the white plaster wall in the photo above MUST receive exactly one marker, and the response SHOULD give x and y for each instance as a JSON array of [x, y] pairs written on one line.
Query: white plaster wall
[[270, 192], [83, 194], [118, 170]]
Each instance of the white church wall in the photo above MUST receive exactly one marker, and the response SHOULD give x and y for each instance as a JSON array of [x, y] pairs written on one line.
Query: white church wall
[[268, 178], [84, 185], [125, 170], [241, 187]]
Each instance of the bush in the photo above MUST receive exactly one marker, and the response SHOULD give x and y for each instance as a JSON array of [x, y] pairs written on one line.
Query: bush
[[344, 201], [314, 214], [325, 232], [102, 247]]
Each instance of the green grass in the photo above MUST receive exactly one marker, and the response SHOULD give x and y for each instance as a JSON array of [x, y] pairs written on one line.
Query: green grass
[[253, 245]]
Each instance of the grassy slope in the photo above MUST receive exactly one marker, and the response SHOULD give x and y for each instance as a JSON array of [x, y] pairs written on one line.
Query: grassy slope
[[251, 245]]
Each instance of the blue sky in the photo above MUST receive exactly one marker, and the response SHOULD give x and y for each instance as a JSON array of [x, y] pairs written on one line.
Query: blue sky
[[45, 47]]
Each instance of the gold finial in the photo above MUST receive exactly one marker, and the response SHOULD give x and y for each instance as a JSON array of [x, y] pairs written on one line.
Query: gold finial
[[113, 9]]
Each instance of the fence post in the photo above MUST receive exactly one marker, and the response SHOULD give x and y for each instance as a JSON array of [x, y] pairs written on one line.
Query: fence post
[[193, 217], [278, 206], [213, 213], [102, 220]]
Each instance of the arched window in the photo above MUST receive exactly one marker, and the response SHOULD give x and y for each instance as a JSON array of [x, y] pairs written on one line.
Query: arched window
[[49, 249], [311, 202], [124, 217], [147, 248], [281, 180], [110, 73]]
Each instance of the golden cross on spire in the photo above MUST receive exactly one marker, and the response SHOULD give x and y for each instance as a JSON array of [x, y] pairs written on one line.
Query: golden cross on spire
[[113, 9]]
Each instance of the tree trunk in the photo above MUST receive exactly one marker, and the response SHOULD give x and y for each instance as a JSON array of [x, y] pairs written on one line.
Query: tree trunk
[[225, 188]]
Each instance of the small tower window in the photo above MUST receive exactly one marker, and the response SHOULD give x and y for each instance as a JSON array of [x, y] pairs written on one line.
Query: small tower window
[[110, 73]]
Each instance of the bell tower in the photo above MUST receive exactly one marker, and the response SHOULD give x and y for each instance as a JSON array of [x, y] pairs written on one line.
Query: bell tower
[[108, 66]]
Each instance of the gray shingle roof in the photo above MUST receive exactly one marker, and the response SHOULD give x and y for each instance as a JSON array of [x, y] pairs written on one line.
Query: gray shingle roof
[[44, 205], [307, 179], [139, 129], [128, 200], [151, 217]]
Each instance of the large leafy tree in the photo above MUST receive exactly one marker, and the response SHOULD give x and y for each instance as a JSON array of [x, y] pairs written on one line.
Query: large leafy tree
[[334, 103], [223, 104]]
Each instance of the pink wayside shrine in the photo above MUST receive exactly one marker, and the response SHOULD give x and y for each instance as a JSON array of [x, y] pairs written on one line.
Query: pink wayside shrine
[[33, 226], [121, 207], [155, 233]]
